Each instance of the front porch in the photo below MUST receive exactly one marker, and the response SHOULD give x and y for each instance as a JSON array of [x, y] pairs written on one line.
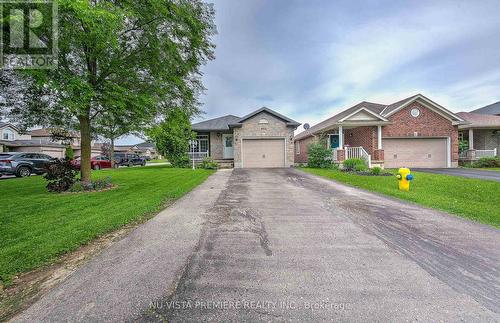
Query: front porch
[[357, 141], [480, 143], [217, 145]]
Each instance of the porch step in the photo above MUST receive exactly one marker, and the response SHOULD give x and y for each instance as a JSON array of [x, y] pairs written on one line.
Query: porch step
[[224, 163]]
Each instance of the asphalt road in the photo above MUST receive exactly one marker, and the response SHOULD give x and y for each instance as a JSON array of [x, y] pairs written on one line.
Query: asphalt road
[[281, 245], [464, 172]]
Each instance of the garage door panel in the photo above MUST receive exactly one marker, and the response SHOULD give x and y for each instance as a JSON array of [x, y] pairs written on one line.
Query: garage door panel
[[420, 153], [263, 153]]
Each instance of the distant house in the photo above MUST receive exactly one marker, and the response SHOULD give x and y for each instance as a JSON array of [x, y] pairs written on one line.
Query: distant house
[[39, 140], [482, 132], [146, 148]]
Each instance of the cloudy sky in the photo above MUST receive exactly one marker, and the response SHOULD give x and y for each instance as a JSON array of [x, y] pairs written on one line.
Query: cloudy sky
[[310, 59]]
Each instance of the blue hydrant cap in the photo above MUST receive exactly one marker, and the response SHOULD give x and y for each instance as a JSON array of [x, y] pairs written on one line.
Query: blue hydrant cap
[[409, 177]]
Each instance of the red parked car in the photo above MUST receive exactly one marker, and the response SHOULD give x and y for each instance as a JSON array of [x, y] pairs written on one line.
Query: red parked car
[[97, 162]]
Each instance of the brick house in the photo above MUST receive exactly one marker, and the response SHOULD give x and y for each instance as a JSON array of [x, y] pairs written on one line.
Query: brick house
[[414, 132], [261, 139], [482, 133]]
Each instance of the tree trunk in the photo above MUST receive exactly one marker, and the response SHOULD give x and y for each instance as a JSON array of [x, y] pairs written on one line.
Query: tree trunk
[[86, 149], [112, 153]]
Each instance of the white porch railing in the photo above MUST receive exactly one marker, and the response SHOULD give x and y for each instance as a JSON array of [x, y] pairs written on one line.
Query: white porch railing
[[197, 155], [477, 153], [354, 152]]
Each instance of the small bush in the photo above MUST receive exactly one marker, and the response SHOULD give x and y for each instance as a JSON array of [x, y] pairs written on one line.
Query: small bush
[[209, 163], [180, 161], [376, 170], [350, 164], [319, 156], [60, 174], [487, 162], [69, 152], [360, 167]]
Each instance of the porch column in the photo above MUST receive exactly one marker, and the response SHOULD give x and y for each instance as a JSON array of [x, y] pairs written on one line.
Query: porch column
[[341, 138], [379, 137], [471, 139]]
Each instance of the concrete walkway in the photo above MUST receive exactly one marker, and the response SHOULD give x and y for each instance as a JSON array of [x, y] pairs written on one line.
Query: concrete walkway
[[282, 245], [464, 172]]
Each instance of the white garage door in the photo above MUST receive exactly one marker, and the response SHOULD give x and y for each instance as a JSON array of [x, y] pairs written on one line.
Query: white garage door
[[419, 153], [263, 153]]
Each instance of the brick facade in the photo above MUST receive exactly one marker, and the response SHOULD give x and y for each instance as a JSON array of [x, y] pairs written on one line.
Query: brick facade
[[427, 124], [301, 153], [365, 137], [275, 128]]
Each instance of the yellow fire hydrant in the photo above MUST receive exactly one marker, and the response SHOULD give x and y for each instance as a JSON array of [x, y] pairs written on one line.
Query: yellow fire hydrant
[[404, 177]]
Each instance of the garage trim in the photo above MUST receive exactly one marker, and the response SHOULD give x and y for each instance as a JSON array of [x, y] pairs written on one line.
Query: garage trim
[[261, 138], [448, 144]]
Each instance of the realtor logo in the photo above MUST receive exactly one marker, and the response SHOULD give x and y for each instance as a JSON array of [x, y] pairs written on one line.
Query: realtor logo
[[28, 34]]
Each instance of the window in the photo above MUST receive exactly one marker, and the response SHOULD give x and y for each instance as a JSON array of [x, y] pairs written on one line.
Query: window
[[297, 148], [263, 121], [201, 144], [8, 134], [415, 112]]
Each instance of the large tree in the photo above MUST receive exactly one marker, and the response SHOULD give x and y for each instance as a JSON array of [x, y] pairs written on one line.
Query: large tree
[[138, 57]]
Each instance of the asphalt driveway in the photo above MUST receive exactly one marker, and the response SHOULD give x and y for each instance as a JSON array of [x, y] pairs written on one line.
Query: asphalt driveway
[[464, 172], [280, 245]]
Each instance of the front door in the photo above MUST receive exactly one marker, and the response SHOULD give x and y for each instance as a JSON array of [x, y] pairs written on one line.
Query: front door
[[334, 141], [227, 143]]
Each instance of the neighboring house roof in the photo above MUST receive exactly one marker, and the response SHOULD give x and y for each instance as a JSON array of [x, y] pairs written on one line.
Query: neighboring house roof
[[6, 124], [489, 109], [288, 121], [217, 124], [477, 120], [30, 143], [146, 145], [382, 111], [47, 132]]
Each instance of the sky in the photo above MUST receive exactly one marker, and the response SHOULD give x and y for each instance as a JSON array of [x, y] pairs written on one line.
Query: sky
[[311, 59]]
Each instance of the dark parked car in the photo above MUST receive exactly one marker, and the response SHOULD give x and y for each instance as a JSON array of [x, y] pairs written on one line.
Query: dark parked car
[[97, 162], [23, 164], [123, 159]]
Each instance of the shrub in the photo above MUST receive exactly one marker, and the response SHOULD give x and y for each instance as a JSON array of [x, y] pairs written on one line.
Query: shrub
[[180, 161], [360, 167], [319, 156], [350, 164], [60, 174], [209, 163], [487, 162], [69, 152], [376, 170]]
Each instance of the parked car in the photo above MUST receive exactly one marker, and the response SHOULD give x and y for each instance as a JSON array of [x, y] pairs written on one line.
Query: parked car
[[124, 159], [97, 162], [23, 164]]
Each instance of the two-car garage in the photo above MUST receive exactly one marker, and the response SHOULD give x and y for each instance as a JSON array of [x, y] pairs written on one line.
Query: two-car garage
[[416, 152]]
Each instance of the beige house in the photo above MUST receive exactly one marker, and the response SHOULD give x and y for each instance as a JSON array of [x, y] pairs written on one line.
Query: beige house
[[261, 139]]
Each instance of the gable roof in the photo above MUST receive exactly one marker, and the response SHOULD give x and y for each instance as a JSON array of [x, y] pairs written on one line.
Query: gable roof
[[146, 144], [6, 124], [489, 109], [373, 107], [477, 120], [382, 111], [217, 124], [289, 122]]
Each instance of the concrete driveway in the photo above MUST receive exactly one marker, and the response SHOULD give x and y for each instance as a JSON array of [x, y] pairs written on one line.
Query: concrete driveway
[[281, 245], [464, 172]]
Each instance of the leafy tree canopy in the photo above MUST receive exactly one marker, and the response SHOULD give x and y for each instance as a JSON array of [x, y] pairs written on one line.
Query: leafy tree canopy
[[116, 57]]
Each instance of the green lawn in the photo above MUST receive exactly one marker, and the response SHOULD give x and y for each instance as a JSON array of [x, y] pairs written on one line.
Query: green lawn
[[156, 161], [493, 169], [36, 226], [478, 200]]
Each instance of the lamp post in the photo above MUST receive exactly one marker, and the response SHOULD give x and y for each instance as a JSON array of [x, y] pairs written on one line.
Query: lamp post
[[192, 145]]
